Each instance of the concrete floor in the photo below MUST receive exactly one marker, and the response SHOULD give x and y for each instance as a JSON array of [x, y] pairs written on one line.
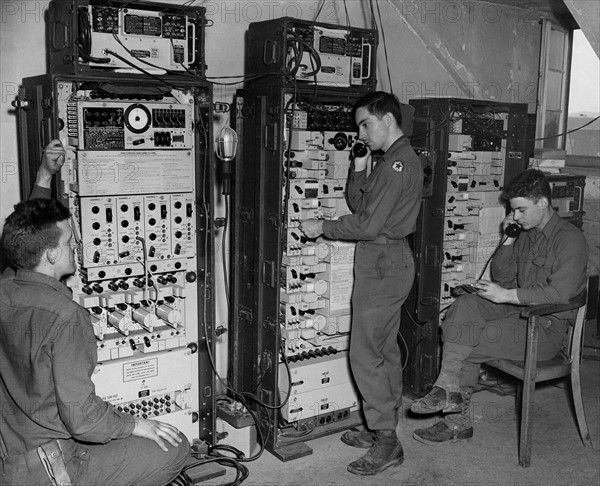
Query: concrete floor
[[488, 459]]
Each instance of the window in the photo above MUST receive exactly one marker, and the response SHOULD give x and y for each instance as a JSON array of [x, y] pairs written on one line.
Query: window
[[553, 86]]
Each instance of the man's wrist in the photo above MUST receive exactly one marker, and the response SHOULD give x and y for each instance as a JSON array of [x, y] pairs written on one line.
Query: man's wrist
[[320, 226], [512, 297], [43, 178]]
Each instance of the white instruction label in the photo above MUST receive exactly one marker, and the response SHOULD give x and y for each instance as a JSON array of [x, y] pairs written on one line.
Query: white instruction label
[[139, 370], [104, 173]]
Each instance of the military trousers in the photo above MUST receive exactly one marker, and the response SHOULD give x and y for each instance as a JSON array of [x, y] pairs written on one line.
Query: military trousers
[[119, 462], [494, 331], [383, 276]]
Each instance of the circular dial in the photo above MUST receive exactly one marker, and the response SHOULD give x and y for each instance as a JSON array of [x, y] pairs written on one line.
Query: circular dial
[[137, 118]]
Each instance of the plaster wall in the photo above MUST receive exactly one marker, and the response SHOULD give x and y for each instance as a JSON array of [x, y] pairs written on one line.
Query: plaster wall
[[23, 54]]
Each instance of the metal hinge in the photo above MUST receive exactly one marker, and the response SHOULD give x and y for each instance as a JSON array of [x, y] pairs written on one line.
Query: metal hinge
[[246, 215], [270, 324], [245, 313]]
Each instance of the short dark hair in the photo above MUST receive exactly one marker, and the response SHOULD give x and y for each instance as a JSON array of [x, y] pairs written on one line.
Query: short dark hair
[[531, 184], [379, 103], [31, 229]]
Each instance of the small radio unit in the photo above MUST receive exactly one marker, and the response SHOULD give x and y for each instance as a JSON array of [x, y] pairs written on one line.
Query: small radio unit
[[314, 53], [87, 35]]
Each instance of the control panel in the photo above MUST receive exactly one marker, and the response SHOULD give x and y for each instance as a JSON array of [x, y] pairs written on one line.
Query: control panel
[[98, 125], [125, 36], [314, 53], [477, 150], [316, 277], [130, 181], [159, 38], [304, 286], [567, 196], [153, 386], [321, 392], [470, 149]]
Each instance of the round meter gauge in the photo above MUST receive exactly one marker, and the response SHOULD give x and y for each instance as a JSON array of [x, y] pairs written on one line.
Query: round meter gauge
[[137, 118]]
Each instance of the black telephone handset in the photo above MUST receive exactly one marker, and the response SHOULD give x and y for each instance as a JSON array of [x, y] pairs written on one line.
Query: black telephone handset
[[359, 150], [513, 230]]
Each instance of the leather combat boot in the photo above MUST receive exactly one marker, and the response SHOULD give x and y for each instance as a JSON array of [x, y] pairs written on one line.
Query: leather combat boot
[[358, 438], [386, 451], [455, 427], [445, 396], [438, 400]]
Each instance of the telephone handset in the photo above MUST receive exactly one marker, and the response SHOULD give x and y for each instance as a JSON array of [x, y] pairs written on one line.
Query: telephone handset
[[359, 150], [513, 230]]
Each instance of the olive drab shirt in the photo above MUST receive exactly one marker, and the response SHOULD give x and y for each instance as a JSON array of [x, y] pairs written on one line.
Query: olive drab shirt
[[47, 356], [387, 202], [546, 266]]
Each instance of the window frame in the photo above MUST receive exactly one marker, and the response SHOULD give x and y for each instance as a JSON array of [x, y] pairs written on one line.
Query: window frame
[[544, 137]]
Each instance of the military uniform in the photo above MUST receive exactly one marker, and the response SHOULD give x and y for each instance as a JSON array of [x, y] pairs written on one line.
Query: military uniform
[[385, 207], [545, 266]]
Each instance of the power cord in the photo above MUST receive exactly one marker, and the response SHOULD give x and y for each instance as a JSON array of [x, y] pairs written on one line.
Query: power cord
[[84, 41]]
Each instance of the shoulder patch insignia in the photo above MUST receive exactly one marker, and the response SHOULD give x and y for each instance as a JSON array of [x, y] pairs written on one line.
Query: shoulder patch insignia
[[398, 166]]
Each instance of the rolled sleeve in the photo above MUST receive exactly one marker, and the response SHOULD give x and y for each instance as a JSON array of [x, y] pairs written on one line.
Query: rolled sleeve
[[40, 192]]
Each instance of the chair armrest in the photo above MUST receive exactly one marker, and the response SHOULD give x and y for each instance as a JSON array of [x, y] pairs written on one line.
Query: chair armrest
[[544, 309]]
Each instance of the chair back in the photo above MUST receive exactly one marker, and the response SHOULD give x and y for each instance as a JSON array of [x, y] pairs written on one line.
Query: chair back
[[575, 332]]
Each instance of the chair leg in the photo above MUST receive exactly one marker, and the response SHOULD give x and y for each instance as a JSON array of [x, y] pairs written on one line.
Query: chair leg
[[579, 411], [518, 405], [525, 434], [529, 375]]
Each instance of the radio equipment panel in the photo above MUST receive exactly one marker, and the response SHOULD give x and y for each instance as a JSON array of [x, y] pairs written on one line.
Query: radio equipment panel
[[136, 181], [84, 35], [469, 156], [315, 53], [102, 125]]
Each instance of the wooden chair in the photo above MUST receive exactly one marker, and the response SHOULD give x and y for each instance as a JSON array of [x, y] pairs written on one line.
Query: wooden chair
[[529, 372]]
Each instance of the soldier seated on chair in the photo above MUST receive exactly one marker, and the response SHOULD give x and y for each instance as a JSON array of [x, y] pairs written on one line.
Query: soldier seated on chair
[[544, 264]]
